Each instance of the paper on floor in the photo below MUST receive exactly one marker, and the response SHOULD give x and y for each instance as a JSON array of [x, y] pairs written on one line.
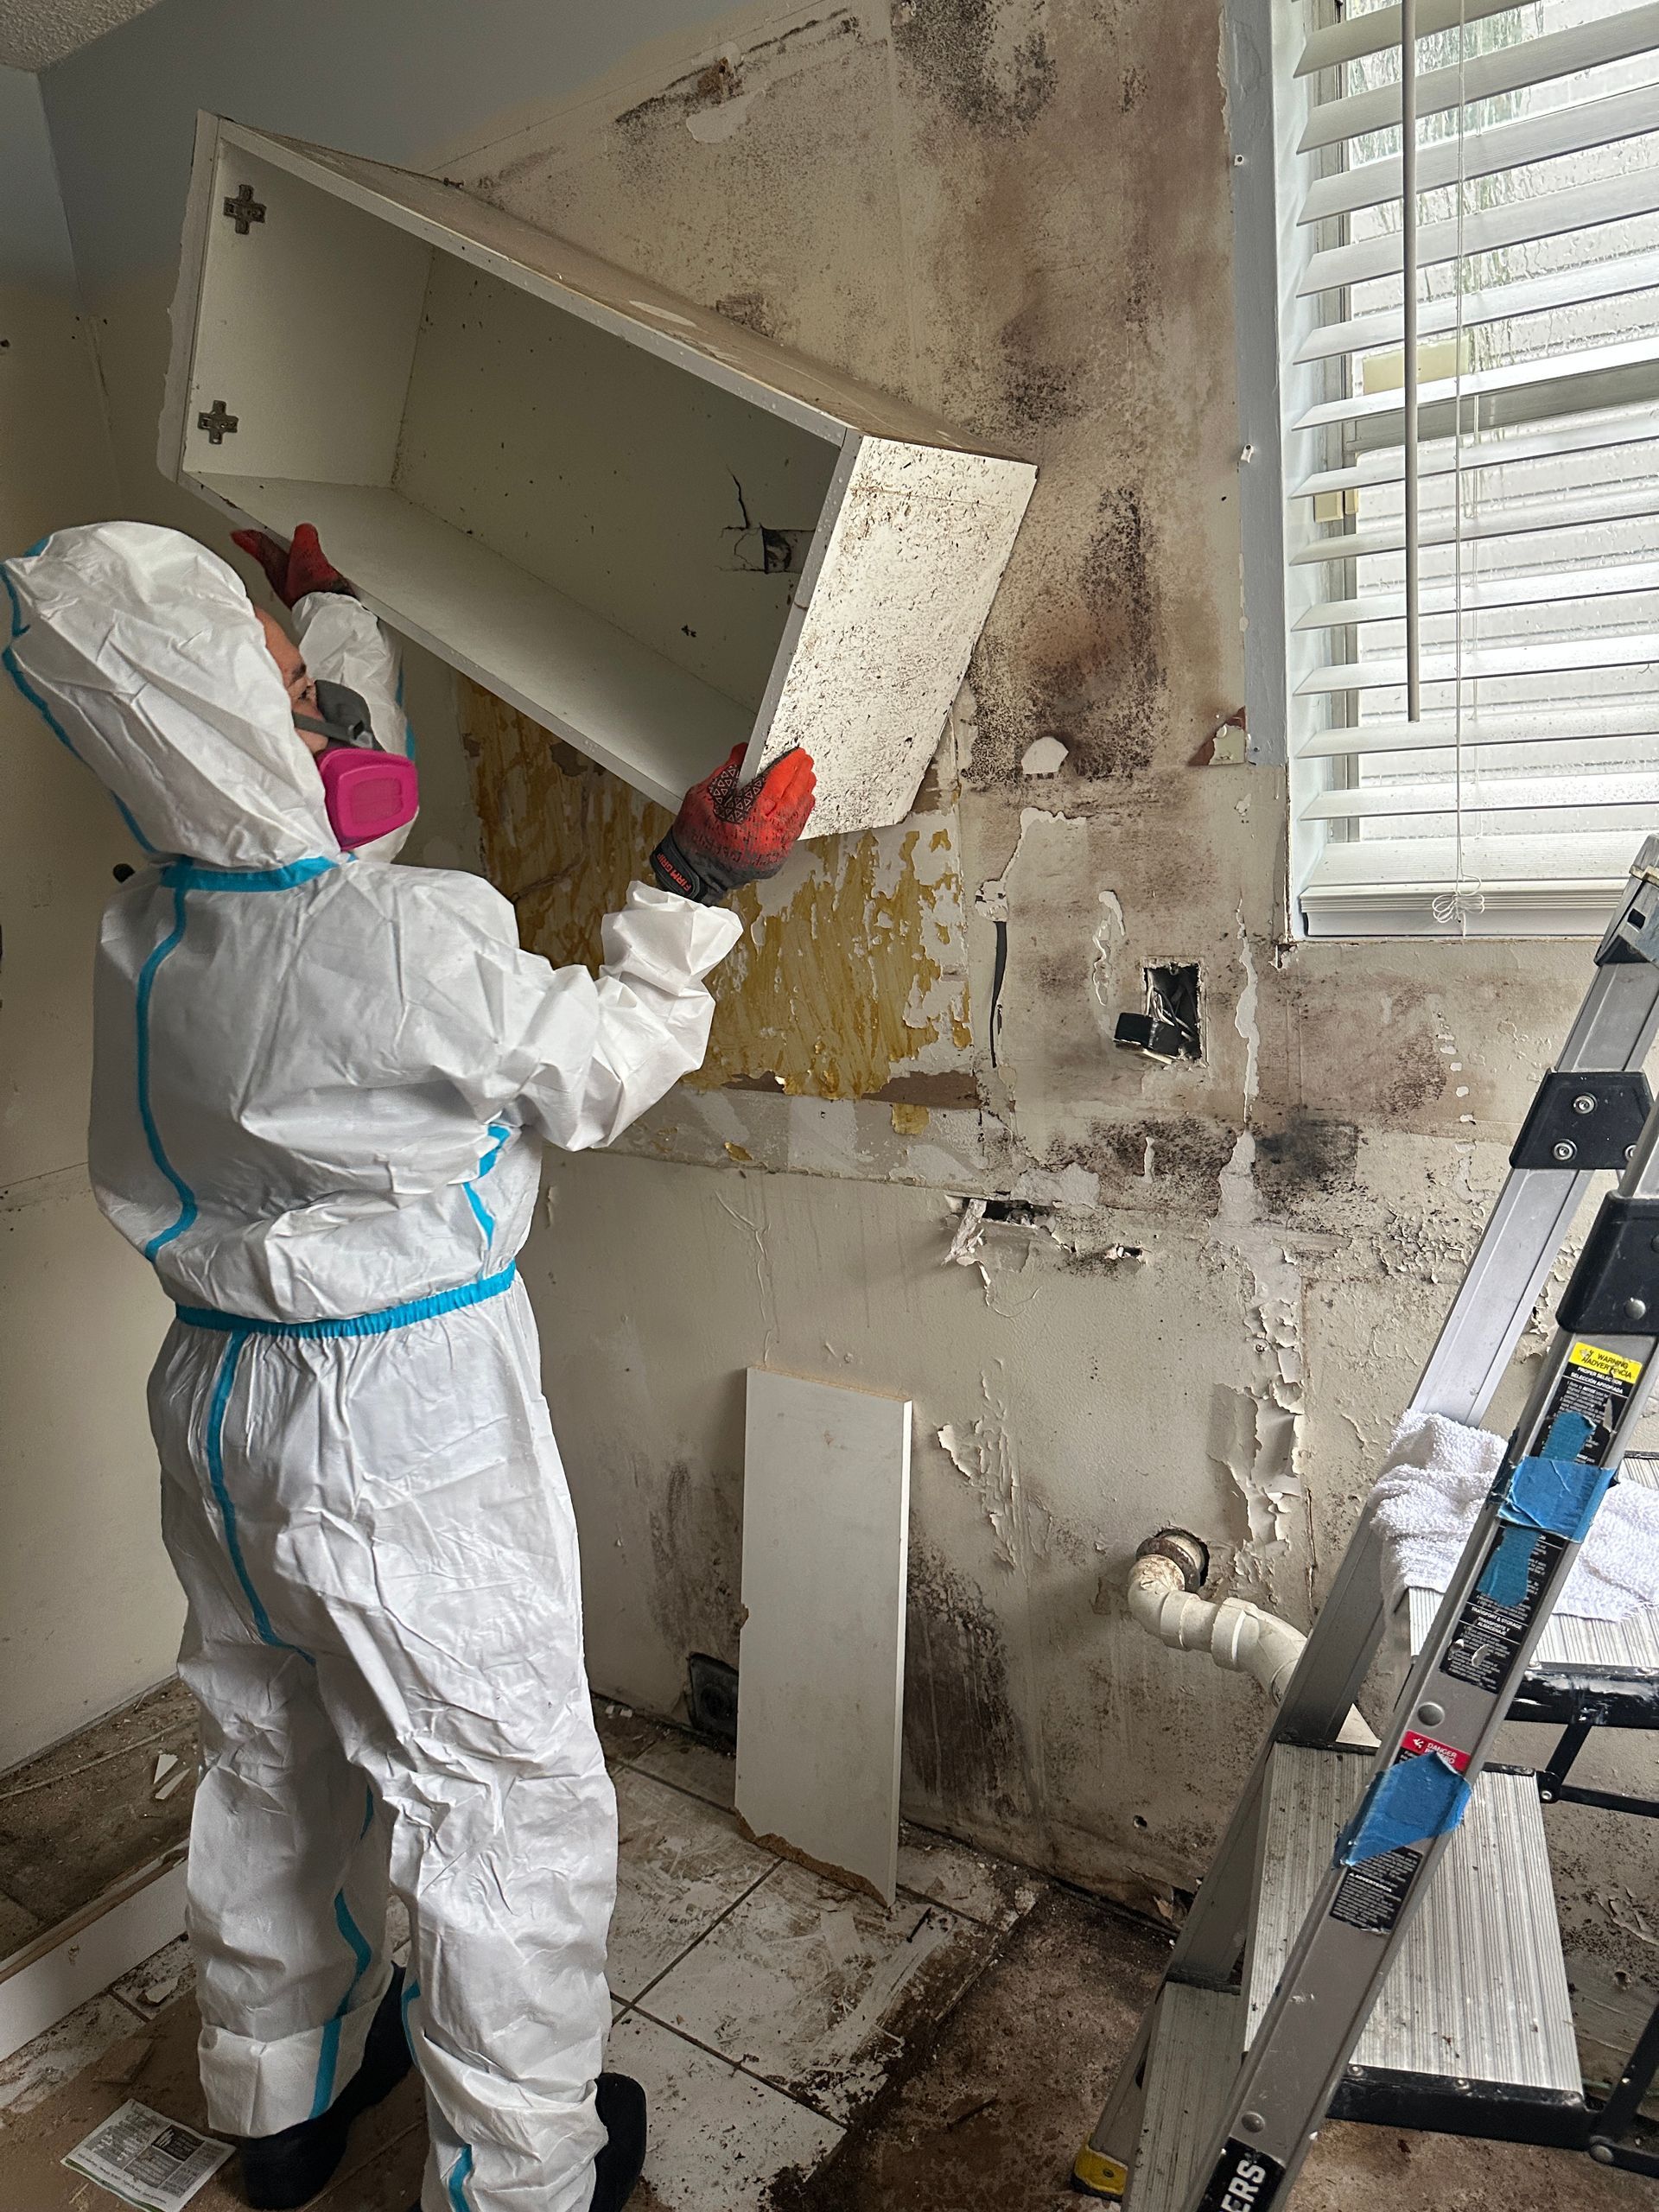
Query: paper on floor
[[146, 2159]]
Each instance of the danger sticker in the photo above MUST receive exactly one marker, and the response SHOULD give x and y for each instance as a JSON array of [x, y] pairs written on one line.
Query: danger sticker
[[1412, 1747]]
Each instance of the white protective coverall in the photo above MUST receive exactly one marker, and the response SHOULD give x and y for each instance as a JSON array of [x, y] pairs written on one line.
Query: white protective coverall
[[321, 1088]]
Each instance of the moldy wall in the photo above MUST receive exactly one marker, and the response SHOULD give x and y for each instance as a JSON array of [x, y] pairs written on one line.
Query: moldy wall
[[1220, 1276]]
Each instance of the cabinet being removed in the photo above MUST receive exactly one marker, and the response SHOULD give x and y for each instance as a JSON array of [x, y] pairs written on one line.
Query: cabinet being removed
[[655, 533]]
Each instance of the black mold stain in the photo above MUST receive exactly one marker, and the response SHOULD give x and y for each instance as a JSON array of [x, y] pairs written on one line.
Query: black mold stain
[[1419, 1075], [962, 1745], [1038, 392], [952, 45], [696, 1549], [752, 309], [1309, 1157], [1171, 1156], [1103, 691]]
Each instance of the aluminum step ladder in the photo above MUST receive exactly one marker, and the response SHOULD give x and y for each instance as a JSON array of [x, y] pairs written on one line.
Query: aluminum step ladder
[[1376, 1937]]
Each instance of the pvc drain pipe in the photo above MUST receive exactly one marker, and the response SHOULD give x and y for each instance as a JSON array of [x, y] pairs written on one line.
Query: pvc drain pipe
[[1237, 1634]]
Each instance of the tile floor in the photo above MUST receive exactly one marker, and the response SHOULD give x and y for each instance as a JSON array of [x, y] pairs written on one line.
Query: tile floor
[[802, 2051]]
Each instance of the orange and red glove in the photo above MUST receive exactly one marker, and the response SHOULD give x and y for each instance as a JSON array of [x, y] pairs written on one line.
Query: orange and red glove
[[726, 832], [294, 569]]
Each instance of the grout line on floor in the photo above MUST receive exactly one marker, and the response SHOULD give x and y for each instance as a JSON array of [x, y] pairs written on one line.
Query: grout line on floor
[[704, 1935], [713, 2050]]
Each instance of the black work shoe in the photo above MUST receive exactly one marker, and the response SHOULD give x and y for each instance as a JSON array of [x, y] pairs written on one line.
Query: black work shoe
[[616, 2171], [280, 2172]]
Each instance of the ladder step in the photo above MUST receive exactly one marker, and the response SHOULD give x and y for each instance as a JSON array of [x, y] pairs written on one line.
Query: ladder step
[[1192, 2064], [1478, 1992]]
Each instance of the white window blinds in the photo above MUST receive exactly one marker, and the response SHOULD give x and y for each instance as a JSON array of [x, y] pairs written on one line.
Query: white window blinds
[[1515, 803]]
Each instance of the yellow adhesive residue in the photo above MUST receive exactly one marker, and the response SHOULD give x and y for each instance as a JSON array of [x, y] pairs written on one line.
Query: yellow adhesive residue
[[909, 1121], [833, 993]]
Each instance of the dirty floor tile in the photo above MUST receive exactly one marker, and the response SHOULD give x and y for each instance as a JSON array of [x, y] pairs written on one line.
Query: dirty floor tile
[[155, 2063], [963, 1880], [692, 1765], [680, 1865], [816, 1987], [32, 2076], [1015, 2081], [624, 1733], [153, 1985], [718, 2138], [81, 1815]]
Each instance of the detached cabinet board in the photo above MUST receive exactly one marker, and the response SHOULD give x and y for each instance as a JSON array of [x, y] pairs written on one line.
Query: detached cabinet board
[[821, 1663], [655, 533]]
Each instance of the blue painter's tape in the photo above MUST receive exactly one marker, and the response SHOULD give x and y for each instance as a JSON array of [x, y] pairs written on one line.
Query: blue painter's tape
[[1558, 1496], [1504, 1580], [356, 1325], [183, 875], [1415, 1800], [1569, 1434], [1554, 1494]]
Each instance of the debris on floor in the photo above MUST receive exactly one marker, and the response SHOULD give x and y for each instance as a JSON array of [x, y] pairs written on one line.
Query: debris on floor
[[802, 2051]]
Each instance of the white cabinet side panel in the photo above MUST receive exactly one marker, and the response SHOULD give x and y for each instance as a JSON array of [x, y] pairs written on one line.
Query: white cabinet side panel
[[187, 297], [907, 579], [826, 1502]]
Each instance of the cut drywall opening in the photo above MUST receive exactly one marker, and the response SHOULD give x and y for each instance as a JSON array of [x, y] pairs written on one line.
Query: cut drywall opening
[[1172, 998]]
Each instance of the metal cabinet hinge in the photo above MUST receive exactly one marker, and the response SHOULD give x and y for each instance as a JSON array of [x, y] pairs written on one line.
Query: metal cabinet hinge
[[245, 210], [218, 423]]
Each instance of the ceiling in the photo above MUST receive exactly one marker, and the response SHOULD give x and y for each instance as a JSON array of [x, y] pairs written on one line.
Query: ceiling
[[34, 34]]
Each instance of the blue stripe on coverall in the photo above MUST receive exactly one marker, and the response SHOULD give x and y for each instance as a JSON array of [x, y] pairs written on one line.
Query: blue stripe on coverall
[[147, 976], [485, 1218], [329, 2056], [222, 1388]]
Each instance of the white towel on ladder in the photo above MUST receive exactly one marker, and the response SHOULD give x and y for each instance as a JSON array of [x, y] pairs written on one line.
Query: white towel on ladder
[[1428, 1496]]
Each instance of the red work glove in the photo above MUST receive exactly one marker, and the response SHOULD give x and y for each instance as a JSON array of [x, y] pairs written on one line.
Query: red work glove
[[726, 833], [294, 569]]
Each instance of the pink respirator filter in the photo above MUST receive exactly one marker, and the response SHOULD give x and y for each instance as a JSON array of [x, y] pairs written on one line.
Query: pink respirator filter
[[368, 793]]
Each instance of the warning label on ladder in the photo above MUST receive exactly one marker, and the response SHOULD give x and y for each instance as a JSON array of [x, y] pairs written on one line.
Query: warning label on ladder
[[1372, 1893], [1596, 1384]]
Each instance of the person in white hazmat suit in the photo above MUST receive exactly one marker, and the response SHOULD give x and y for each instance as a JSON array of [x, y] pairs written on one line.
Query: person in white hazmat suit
[[321, 1083]]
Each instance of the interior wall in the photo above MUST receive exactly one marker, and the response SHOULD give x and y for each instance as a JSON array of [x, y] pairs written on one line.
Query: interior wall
[[89, 1613], [1018, 212], [1015, 212]]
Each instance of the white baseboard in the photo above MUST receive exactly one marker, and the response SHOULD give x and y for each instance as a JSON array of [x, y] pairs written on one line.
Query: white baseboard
[[46, 1981]]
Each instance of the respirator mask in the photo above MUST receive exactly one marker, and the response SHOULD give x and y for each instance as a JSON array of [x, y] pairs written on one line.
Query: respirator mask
[[368, 791]]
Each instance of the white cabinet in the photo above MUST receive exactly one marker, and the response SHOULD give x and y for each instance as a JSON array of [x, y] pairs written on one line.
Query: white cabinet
[[654, 532]]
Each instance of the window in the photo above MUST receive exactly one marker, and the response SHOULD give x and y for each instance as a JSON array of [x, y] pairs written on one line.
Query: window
[[1515, 804]]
